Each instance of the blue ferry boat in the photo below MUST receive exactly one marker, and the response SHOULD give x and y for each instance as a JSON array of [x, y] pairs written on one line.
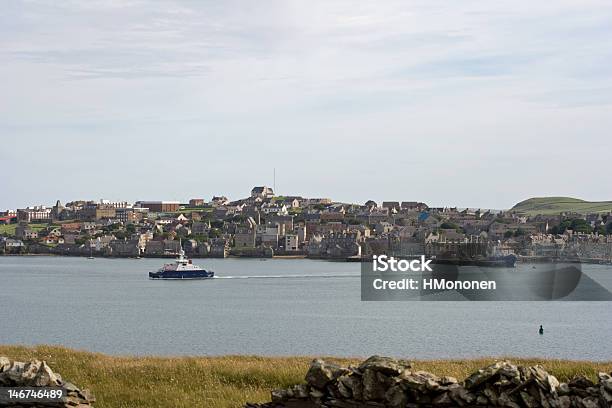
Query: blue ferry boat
[[182, 268]]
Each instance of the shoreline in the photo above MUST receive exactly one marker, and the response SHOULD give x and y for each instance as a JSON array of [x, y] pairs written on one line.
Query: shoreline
[[521, 260]]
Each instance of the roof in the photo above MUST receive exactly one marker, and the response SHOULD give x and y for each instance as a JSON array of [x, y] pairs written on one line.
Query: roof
[[260, 189]]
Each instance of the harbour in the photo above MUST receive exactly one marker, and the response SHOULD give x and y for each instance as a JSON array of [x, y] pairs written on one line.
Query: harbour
[[275, 308]]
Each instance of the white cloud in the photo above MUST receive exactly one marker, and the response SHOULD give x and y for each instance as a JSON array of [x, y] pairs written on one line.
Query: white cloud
[[472, 88]]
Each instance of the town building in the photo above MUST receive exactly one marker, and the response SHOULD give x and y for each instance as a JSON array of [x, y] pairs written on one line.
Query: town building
[[23, 231], [159, 206], [245, 238], [262, 192], [115, 204], [291, 242], [37, 213], [196, 202]]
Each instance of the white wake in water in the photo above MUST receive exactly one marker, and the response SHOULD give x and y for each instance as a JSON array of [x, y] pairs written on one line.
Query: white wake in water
[[285, 276]]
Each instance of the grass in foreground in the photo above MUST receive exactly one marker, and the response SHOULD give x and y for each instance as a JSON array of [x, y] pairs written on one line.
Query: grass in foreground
[[221, 382]]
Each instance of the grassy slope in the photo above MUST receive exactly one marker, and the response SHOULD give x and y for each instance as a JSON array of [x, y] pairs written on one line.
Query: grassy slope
[[217, 382], [556, 205], [8, 229]]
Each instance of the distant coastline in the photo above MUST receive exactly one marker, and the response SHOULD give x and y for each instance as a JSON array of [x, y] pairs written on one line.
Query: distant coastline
[[521, 259], [265, 225]]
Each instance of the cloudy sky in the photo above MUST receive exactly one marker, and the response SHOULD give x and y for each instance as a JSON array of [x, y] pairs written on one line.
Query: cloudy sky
[[471, 103]]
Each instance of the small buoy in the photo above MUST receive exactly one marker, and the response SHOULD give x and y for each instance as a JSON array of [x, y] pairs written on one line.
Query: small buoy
[[541, 329]]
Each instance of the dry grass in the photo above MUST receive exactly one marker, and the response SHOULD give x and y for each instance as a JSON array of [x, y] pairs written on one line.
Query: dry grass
[[220, 382]]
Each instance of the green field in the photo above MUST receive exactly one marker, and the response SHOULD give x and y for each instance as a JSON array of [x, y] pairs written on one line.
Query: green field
[[221, 382], [8, 229], [556, 205]]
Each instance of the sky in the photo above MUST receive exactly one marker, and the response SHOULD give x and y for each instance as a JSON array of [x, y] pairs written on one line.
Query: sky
[[470, 104]]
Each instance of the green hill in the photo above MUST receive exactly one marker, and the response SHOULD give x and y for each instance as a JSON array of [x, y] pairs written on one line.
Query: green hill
[[556, 205]]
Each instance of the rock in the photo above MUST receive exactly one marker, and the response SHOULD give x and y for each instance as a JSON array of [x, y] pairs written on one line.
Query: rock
[[432, 385], [580, 392], [505, 400], [279, 395], [545, 380], [605, 380], [385, 365], [606, 396], [581, 382], [448, 380], [87, 395], [482, 400], [340, 404], [373, 390], [543, 398], [491, 395], [73, 401], [563, 389], [510, 371], [443, 400], [383, 382], [564, 402], [5, 363], [461, 396], [590, 402], [503, 383], [300, 391], [423, 399], [605, 388], [353, 384], [420, 380], [553, 383], [30, 370], [343, 389], [396, 396], [321, 373], [374, 385], [70, 386], [14, 372], [528, 400], [37, 373], [483, 375], [47, 378]]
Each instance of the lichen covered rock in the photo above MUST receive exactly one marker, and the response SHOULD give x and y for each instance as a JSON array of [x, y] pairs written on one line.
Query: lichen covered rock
[[386, 382], [37, 373]]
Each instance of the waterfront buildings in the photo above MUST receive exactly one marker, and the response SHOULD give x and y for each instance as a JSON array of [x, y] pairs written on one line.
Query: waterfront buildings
[[262, 224]]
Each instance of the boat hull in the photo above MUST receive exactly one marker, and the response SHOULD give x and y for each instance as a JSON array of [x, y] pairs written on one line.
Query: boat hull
[[182, 275]]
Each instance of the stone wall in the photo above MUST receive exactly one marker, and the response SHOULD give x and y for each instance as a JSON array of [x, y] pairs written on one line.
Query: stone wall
[[38, 374], [385, 382]]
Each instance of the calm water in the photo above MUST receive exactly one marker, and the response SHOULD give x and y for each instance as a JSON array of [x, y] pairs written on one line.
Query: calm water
[[277, 307]]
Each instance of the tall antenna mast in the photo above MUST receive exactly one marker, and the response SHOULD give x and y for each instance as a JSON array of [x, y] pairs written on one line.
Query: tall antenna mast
[[274, 182]]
